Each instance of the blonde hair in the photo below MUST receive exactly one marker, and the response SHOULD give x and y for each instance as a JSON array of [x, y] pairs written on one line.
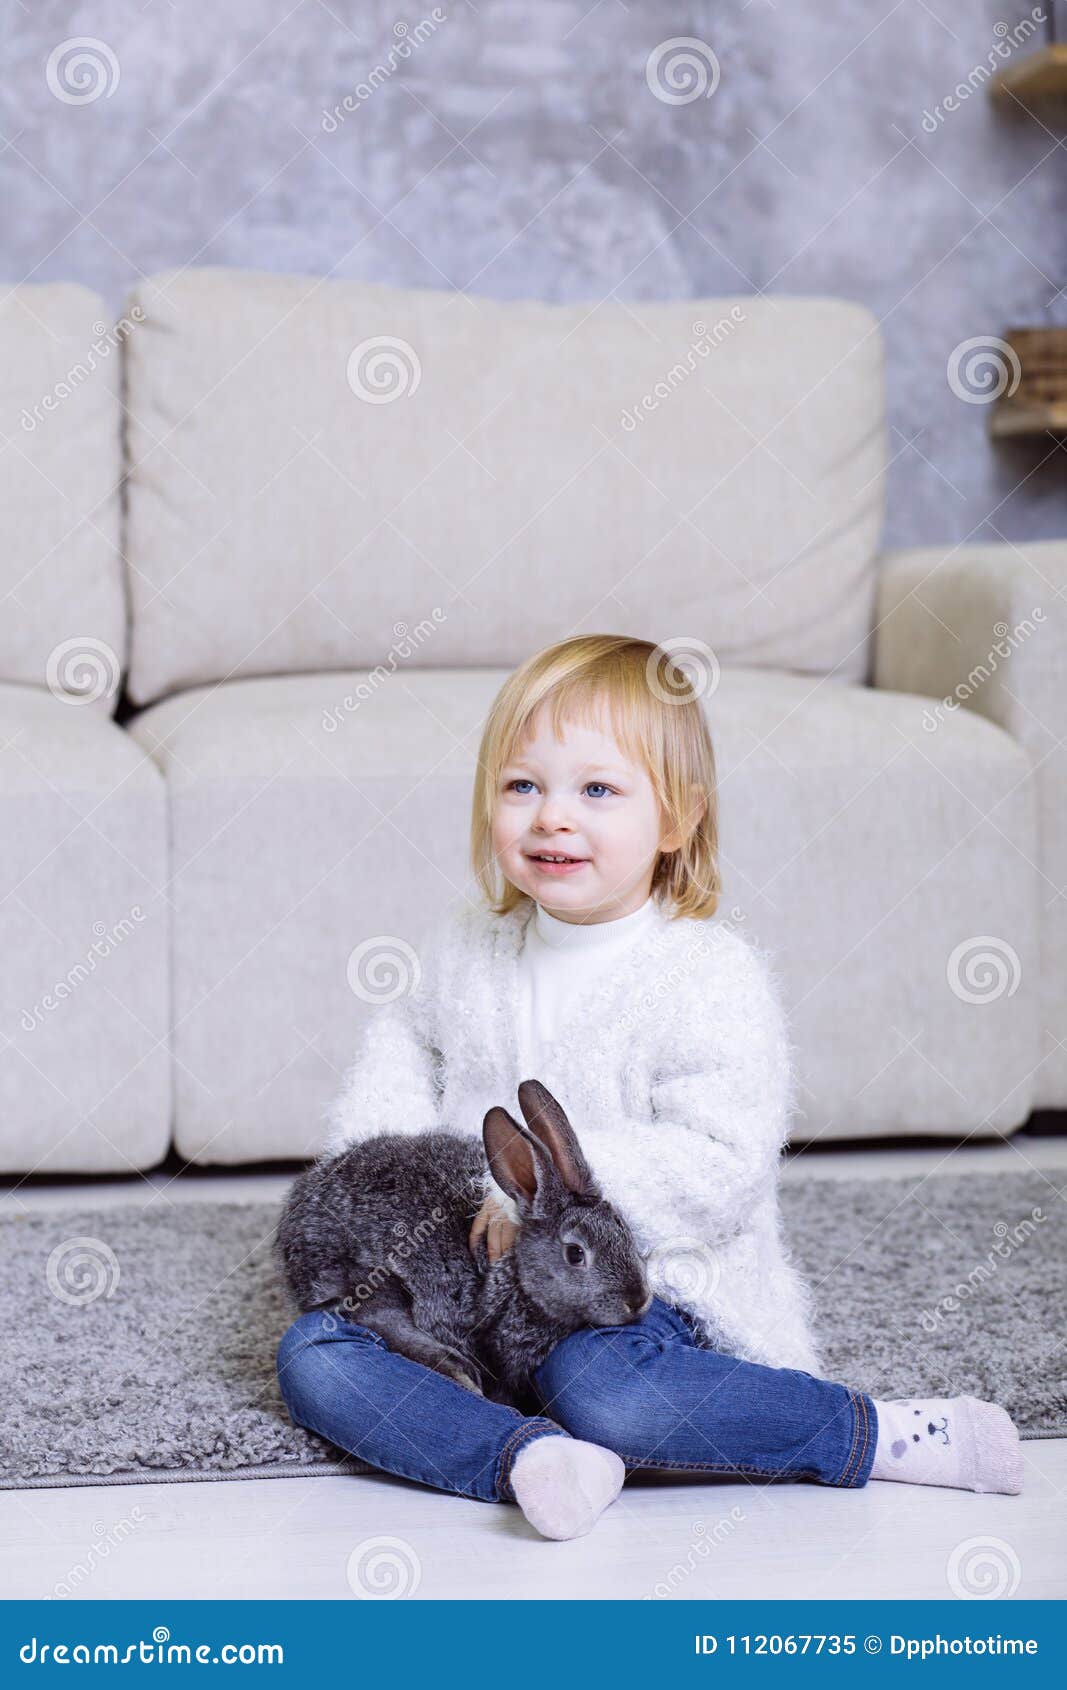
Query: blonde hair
[[657, 718]]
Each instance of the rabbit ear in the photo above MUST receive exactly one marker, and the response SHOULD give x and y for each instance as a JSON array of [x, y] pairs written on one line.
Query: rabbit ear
[[547, 1121], [517, 1162]]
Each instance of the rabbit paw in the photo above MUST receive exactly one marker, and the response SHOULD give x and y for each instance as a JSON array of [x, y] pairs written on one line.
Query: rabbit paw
[[462, 1375]]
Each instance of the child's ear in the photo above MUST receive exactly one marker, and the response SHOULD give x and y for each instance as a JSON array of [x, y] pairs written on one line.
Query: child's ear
[[692, 816]]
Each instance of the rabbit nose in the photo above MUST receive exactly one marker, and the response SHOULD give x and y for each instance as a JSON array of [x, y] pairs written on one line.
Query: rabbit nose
[[639, 1307]]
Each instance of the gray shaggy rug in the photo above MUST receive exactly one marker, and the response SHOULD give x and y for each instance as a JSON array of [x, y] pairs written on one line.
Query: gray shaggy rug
[[138, 1345]]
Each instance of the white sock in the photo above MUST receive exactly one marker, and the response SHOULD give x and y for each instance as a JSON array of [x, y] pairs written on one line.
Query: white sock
[[955, 1441], [563, 1485]]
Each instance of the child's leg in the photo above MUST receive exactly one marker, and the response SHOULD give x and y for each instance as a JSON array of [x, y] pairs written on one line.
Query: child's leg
[[651, 1392], [341, 1380], [659, 1398]]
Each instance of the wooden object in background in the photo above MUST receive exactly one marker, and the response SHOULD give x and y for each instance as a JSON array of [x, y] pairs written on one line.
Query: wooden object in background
[[1039, 403], [1040, 76]]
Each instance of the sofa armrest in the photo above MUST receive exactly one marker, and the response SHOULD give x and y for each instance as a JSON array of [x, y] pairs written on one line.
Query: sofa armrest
[[984, 628], [980, 627]]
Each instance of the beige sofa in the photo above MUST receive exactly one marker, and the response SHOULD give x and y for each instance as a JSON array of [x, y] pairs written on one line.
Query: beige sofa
[[347, 512]]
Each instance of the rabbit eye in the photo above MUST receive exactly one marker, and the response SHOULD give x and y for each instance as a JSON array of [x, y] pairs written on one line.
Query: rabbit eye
[[575, 1254]]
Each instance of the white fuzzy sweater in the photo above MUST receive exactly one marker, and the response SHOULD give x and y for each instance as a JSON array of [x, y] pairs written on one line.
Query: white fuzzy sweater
[[676, 1071]]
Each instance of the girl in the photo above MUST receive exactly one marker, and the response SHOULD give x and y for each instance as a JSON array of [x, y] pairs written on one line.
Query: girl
[[594, 965]]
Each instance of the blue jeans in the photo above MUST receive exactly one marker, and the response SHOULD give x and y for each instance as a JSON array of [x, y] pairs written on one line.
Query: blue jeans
[[651, 1391]]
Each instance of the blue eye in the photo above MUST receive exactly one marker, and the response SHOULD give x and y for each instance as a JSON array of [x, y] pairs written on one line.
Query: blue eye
[[521, 781]]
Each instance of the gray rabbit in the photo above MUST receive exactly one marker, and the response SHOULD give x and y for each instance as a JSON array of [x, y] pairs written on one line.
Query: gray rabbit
[[379, 1232]]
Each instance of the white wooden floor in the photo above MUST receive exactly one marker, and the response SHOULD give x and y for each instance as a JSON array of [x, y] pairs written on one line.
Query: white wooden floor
[[327, 1537]]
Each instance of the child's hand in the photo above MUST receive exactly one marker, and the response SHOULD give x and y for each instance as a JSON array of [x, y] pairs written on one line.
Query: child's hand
[[500, 1230]]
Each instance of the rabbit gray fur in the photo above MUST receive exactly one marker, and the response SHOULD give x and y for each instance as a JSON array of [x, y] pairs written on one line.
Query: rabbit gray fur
[[380, 1232]]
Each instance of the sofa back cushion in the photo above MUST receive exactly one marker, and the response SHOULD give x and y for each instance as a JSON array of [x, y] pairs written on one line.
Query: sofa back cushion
[[333, 475], [64, 619]]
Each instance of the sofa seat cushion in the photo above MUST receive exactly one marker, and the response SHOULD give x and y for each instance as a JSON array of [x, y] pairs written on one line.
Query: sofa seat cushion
[[322, 472], [84, 1064], [310, 814]]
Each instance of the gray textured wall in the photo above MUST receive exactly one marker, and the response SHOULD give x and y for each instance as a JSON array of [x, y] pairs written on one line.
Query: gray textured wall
[[518, 150]]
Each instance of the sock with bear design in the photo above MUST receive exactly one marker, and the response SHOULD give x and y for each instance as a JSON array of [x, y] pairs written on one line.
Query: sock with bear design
[[955, 1441]]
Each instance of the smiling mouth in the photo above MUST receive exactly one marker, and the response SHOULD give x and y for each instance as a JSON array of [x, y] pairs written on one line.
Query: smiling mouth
[[554, 857]]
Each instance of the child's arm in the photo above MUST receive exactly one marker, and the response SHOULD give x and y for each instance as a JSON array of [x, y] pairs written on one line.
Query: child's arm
[[722, 1103], [721, 1099], [393, 1086]]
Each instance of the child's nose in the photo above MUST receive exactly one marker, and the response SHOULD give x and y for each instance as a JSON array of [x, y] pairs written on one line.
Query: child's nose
[[553, 815]]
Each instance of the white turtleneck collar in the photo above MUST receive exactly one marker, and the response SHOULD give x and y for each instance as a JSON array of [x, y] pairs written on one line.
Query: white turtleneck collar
[[589, 935], [560, 963]]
